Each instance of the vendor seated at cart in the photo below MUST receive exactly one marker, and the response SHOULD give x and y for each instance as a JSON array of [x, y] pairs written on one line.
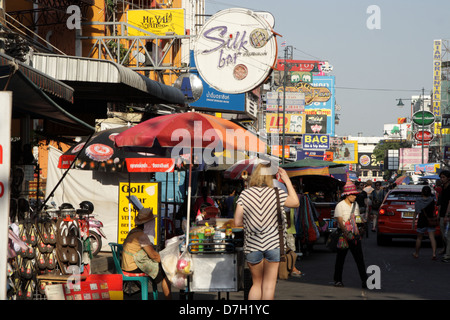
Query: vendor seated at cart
[[139, 256]]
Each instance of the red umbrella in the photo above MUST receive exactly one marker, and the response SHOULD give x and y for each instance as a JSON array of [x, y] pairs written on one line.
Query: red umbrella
[[191, 130], [236, 170]]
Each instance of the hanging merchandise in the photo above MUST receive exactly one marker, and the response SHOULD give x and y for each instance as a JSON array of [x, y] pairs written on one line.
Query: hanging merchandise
[[305, 221]]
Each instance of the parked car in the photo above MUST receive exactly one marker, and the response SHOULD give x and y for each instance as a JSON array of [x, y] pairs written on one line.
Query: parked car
[[396, 214]]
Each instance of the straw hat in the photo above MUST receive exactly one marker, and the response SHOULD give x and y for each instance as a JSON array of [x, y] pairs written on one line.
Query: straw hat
[[349, 188], [144, 215]]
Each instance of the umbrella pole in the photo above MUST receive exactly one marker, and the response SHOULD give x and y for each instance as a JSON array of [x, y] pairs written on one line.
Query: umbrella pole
[[188, 214]]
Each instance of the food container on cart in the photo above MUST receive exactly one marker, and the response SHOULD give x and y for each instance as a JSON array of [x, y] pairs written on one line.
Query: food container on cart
[[219, 266]]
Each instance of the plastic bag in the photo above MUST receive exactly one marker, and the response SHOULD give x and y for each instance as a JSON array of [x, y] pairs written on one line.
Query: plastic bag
[[169, 256], [179, 281], [184, 264], [342, 243]]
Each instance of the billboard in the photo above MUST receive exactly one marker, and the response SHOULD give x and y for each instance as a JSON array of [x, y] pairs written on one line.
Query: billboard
[[294, 123], [156, 21], [316, 142], [398, 131], [292, 101], [347, 152], [409, 157], [368, 161], [235, 51]]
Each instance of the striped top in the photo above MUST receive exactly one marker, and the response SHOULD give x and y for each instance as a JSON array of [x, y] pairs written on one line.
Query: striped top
[[260, 218]]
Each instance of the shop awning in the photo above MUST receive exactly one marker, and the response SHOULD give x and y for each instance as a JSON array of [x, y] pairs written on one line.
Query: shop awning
[[97, 79], [35, 93]]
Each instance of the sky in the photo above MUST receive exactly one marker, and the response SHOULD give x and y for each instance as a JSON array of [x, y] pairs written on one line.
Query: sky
[[373, 67]]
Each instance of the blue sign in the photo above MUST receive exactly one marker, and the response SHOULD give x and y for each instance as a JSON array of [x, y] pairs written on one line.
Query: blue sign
[[326, 106], [316, 141], [213, 99]]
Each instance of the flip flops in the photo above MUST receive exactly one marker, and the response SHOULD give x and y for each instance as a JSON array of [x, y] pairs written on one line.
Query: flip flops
[[73, 255]]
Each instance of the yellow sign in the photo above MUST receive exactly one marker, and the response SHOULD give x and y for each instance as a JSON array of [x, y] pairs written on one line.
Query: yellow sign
[[437, 57], [294, 123], [156, 21], [148, 194]]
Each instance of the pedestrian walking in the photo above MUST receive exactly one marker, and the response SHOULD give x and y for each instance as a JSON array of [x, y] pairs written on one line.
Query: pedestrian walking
[[377, 198], [256, 211], [425, 209], [347, 215]]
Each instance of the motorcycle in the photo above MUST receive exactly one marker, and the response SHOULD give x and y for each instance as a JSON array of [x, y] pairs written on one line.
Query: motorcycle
[[95, 227], [95, 234]]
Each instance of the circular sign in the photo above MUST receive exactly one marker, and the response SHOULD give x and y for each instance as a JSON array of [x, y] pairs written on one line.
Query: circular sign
[[235, 50], [423, 118], [427, 136], [191, 86], [364, 160]]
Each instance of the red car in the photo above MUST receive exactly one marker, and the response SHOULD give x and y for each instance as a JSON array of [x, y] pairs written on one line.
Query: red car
[[396, 214]]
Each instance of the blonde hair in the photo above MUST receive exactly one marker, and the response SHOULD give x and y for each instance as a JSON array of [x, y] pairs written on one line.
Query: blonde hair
[[261, 176]]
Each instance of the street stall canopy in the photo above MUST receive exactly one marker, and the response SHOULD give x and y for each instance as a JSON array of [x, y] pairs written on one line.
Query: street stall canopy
[[35, 93], [96, 79]]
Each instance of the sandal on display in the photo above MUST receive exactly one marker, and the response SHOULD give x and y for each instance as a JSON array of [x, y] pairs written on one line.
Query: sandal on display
[[31, 253], [51, 261], [40, 261], [73, 256], [62, 255], [51, 233]]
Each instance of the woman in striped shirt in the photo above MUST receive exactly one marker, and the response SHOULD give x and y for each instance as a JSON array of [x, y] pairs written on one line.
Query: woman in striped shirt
[[256, 211]]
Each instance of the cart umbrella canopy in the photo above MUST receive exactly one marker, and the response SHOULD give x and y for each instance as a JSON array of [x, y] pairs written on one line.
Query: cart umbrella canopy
[[186, 131]]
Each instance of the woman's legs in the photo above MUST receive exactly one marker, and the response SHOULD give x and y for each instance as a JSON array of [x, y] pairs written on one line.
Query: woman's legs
[[257, 271], [433, 242], [264, 277], [165, 284], [270, 279], [418, 244]]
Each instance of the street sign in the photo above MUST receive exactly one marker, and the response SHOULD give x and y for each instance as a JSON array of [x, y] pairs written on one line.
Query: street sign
[[423, 118], [427, 136]]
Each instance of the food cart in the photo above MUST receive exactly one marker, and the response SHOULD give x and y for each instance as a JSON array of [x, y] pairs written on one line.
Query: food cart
[[217, 255]]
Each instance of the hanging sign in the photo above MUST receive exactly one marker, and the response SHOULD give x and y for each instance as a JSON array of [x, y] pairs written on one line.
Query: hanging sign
[[425, 136], [235, 50], [423, 118]]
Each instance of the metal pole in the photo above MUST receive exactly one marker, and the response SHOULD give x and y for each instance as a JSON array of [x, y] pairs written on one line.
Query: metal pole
[[423, 121], [284, 105]]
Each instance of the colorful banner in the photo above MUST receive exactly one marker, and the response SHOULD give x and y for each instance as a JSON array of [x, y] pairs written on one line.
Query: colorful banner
[[294, 123], [437, 56], [156, 21]]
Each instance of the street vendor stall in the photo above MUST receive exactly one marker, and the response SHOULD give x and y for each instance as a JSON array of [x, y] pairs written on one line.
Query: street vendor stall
[[217, 256]]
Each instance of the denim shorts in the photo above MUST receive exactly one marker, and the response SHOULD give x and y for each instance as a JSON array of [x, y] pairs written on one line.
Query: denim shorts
[[255, 257], [426, 229]]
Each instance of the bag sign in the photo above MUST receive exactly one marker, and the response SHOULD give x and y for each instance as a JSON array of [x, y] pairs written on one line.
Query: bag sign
[[316, 142]]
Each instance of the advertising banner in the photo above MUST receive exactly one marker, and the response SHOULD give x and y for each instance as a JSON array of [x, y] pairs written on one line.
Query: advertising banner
[[316, 124], [294, 101], [437, 57], [316, 142], [346, 152], [156, 21], [149, 196], [303, 154], [294, 123], [426, 168], [408, 157], [368, 161]]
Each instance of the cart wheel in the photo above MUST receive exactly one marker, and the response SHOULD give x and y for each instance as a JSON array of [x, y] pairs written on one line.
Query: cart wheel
[[247, 282]]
